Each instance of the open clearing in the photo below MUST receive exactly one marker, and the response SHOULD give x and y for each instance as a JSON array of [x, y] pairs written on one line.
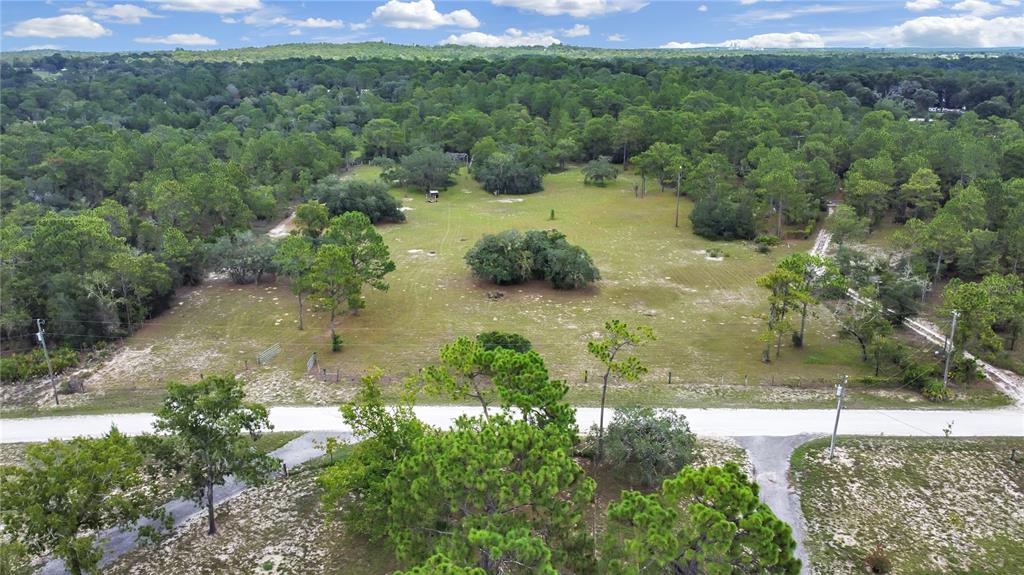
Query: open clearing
[[704, 312], [937, 505]]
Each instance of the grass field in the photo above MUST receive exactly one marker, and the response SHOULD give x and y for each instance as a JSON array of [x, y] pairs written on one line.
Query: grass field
[[703, 310], [937, 505]]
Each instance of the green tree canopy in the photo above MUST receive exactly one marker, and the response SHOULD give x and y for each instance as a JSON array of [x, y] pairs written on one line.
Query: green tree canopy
[[69, 492], [502, 495], [706, 520], [205, 434]]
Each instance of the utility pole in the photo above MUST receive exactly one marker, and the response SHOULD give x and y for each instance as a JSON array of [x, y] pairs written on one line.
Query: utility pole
[[42, 341], [679, 180], [839, 409], [949, 348]]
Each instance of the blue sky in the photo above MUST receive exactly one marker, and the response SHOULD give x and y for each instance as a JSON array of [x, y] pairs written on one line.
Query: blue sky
[[118, 25]]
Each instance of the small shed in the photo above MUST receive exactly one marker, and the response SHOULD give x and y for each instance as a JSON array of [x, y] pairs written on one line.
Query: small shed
[[432, 196]]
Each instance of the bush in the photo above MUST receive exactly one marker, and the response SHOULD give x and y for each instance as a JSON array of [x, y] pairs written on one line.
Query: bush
[[878, 560], [570, 267], [370, 198], [511, 257], [336, 343], [490, 340], [599, 171], [935, 390], [23, 366], [648, 445], [501, 258]]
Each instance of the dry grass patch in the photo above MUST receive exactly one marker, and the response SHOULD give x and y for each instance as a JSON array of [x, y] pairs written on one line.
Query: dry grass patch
[[937, 505]]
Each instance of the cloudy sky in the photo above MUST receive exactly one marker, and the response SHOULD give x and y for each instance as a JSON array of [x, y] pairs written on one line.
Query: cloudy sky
[[165, 24]]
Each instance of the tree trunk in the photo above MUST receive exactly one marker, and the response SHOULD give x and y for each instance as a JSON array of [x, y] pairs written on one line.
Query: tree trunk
[[212, 522], [938, 264], [600, 424], [301, 322], [803, 322], [625, 159], [780, 219], [778, 344]]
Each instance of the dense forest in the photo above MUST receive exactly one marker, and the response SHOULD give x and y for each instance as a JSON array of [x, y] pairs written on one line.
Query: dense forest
[[122, 173]]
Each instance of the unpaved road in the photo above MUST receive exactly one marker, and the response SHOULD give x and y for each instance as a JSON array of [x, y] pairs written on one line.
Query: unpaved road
[[770, 458], [1010, 383], [1008, 421]]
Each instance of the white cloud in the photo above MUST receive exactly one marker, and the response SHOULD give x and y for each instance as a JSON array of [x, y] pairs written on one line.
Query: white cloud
[[511, 37], [577, 31], [40, 47], [295, 32], [748, 2], [357, 26], [213, 6], [922, 5], [772, 40], [937, 32], [977, 8], [123, 13], [773, 15], [67, 26], [576, 8], [178, 40], [421, 15], [229, 20], [616, 38], [274, 17], [702, 8], [959, 32]]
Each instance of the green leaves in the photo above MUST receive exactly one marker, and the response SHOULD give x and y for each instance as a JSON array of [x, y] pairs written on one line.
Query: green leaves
[[616, 338], [706, 520], [69, 492], [201, 441], [502, 494], [353, 255]]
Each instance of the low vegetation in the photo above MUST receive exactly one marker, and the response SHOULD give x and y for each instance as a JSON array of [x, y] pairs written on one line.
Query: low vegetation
[[924, 505]]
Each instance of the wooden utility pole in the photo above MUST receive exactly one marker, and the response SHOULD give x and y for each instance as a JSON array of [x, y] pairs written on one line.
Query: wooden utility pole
[[950, 345], [679, 179], [839, 409], [41, 336]]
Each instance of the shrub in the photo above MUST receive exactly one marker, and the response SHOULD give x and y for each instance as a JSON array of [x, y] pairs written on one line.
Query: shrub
[[648, 445], [490, 340], [336, 342], [347, 195], [935, 390], [501, 258], [22, 366], [878, 560], [570, 267], [599, 171], [511, 257]]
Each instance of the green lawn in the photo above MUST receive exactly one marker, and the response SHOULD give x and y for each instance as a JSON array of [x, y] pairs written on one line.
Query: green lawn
[[937, 505], [704, 312]]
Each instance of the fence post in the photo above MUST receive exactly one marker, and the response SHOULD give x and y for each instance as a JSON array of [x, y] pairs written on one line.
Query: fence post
[[586, 372], [670, 377]]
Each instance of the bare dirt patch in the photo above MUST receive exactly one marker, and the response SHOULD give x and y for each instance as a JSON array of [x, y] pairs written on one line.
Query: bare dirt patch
[[939, 505], [275, 529]]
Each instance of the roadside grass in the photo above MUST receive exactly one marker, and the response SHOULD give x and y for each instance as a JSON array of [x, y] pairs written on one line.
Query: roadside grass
[[705, 313], [937, 505]]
